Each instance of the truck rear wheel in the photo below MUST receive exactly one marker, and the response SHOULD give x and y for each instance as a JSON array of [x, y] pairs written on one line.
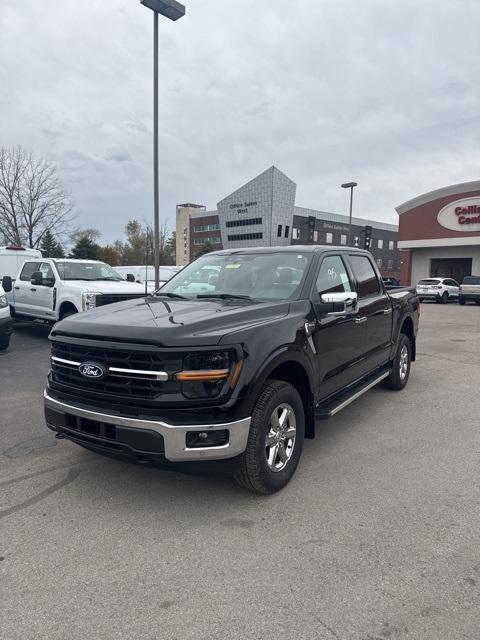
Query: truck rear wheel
[[4, 342], [275, 440], [398, 379]]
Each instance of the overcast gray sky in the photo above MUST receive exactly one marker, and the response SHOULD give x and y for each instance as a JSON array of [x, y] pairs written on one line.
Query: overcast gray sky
[[383, 92]]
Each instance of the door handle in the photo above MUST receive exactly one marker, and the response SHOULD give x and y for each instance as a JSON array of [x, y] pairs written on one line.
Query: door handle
[[32, 289], [17, 288], [387, 311], [360, 320]]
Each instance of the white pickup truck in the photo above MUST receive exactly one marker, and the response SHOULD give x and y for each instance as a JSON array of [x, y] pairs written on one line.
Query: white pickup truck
[[52, 289]]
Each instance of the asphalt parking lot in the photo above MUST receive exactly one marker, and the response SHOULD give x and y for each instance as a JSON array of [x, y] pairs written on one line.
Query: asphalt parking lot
[[377, 536]]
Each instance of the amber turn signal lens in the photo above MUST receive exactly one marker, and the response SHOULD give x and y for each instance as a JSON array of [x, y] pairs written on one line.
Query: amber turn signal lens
[[236, 374], [203, 375]]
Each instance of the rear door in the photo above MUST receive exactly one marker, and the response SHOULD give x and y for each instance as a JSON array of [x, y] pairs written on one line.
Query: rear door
[[374, 309], [339, 341], [24, 301]]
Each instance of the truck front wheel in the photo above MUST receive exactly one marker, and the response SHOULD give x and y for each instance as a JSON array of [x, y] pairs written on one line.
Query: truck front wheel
[[275, 440]]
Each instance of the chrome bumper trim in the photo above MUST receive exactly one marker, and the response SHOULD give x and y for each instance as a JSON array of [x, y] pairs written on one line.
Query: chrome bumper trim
[[173, 435]]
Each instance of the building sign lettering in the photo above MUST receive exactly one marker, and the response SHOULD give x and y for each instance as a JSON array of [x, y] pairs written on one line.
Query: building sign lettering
[[461, 215], [243, 207]]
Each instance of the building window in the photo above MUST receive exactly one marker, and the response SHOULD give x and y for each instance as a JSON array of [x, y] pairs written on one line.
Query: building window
[[212, 240], [379, 263], [279, 231], [287, 230], [329, 238], [315, 236], [206, 227], [390, 264], [343, 239], [245, 236], [391, 245], [295, 234], [356, 240], [380, 243], [243, 223]]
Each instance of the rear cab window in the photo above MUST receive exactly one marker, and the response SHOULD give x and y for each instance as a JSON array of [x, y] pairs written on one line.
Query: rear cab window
[[368, 283], [471, 280]]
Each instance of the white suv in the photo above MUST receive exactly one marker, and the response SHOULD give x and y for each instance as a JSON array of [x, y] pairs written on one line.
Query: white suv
[[438, 289]]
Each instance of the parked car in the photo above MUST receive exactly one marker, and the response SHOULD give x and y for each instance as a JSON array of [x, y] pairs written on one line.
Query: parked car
[[52, 289], [391, 282], [232, 379], [5, 321], [146, 274], [439, 289], [470, 289], [12, 258]]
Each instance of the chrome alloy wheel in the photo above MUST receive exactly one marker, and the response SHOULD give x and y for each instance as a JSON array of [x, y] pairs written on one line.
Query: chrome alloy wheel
[[403, 362], [280, 440]]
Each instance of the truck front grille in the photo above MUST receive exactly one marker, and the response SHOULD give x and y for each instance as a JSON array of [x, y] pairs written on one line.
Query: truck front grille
[[110, 298], [142, 374]]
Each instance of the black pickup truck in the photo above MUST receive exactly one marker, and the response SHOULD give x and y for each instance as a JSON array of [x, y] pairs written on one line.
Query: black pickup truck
[[227, 367]]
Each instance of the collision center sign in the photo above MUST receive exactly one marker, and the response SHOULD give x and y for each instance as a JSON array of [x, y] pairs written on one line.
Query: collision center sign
[[461, 215]]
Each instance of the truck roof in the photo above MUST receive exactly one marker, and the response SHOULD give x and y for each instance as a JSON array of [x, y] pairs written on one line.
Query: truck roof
[[291, 248]]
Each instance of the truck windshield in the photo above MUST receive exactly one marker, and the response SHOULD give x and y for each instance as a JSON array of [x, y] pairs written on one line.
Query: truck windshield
[[86, 271], [269, 276]]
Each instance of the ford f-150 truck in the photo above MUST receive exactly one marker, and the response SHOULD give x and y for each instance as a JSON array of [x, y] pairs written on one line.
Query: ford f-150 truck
[[233, 378], [52, 289]]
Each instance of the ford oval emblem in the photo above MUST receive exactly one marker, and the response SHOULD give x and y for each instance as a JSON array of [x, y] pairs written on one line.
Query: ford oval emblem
[[92, 370]]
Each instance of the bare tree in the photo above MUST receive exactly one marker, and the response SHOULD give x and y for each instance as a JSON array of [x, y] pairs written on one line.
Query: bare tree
[[32, 199]]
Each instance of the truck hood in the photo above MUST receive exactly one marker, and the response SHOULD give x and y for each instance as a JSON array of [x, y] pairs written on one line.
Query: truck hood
[[104, 286], [170, 323]]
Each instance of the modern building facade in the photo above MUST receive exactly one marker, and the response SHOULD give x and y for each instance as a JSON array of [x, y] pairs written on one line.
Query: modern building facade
[[439, 233], [263, 213]]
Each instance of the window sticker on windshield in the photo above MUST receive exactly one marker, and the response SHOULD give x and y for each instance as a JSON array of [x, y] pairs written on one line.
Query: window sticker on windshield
[[233, 265]]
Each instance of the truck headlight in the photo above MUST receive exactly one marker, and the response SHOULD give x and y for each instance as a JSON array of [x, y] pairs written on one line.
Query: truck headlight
[[89, 301], [3, 302], [204, 375]]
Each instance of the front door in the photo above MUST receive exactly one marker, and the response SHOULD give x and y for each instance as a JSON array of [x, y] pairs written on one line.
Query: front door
[[339, 341], [22, 289], [44, 293]]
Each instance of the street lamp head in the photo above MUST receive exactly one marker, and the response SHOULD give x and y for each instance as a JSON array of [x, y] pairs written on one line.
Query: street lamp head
[[168, 8], [349, 185]]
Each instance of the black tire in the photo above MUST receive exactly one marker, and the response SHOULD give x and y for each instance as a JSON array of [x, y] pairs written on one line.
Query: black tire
[[396, 381], [444, 298], [4, 342], [420, 299], [461, 301], [254, 473], [67, 314]]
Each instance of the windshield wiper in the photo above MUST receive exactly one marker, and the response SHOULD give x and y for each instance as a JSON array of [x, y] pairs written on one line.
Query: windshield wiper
[[111, 278], [224, 296], [169, 295]]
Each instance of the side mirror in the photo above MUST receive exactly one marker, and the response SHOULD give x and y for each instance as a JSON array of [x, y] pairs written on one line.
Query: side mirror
[[7, 284], [37, 278], [338, 304], [130, 277]]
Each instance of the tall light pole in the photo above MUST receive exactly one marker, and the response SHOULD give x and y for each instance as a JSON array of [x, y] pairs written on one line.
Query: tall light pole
[[349, 185], [173, 10]]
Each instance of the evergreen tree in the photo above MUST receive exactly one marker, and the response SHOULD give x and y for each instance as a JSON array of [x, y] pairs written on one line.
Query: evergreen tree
[[206, 247], [49, 247], [85, 249]]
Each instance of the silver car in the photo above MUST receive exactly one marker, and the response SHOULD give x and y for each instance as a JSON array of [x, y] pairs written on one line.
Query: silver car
[[470, 289]]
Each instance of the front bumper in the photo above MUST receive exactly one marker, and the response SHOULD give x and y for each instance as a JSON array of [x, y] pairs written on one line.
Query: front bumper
[[138, 438], [6, 325]]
